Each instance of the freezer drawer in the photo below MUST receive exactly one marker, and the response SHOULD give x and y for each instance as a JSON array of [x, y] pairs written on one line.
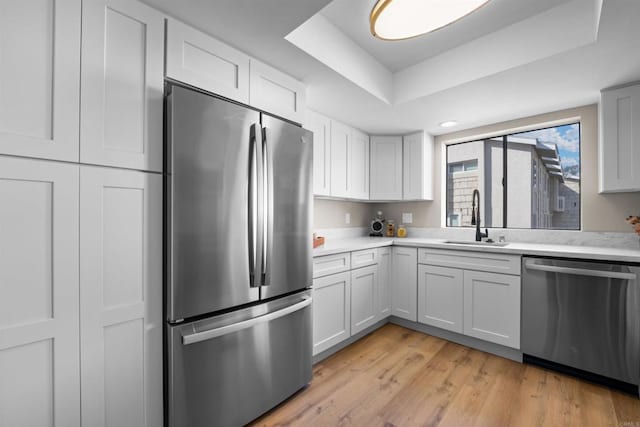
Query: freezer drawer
[[228, 370], [584, 315]]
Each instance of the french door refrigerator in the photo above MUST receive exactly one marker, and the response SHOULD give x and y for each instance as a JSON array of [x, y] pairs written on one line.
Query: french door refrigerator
[[238, 192]]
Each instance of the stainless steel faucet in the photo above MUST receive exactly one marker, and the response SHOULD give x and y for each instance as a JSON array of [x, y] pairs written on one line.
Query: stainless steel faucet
[[475, 216]]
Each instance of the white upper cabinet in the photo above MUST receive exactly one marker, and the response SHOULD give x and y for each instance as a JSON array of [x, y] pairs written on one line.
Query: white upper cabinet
[[321, 128], [417, 167], [122, 84], [619, 142], [39, 335], [359, 166], [386, 168], [204, 62], [40, 78], [340, 159], [274, 92], [121, 297]]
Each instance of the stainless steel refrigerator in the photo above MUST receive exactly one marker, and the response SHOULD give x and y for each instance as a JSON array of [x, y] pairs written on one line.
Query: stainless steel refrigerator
[[238, 193]]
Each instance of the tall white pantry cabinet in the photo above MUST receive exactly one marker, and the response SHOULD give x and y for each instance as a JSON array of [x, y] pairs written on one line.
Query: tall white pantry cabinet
[[80, 243]]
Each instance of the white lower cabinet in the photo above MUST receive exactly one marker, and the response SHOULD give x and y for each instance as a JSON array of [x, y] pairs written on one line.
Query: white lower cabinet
[[492, 307], [479, 303], [39, 341], [404, 286], [120, 297], [384, 282], [331, 310], [440, 299], [364, 307]]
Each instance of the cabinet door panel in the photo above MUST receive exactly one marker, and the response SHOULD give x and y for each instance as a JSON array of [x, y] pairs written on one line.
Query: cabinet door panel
[[619, 155], [386, 168], [340, 160], [122, 85], [204, 62], [384, 282], [364, 304], [121, 298], [417, 167], [331, 310], [404, 292], [39, 336], [321, 128], [359, 166], [40, 78], [492, 307], [440, 297], [274, 92]]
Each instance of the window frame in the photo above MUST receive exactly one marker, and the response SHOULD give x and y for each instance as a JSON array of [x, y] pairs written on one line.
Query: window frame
[[504, 136]]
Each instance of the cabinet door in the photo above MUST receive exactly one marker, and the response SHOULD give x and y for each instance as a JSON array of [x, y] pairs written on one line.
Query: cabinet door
[[404, 287], [359, 166], [619, 156], [122, 84], [386, 168], [340, 159], [492, 307], [272, 91], [321, 128], [121, 297], [417, 167], [331, 310], [39, 337], [204, 62], [364, 302], [440, 297], [384, 282], [40, 78]]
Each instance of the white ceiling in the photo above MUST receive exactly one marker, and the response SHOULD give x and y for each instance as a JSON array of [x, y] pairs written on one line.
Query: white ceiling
[[526, 57], [352, 18]]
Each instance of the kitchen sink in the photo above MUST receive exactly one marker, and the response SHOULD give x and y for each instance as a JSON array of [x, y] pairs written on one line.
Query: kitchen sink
[[474, 243]]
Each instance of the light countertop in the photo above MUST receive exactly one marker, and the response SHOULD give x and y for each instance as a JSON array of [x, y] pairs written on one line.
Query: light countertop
[[335, 246]]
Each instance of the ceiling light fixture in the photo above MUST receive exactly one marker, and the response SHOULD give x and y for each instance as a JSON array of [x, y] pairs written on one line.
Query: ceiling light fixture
[[448, 123], [404, 19]]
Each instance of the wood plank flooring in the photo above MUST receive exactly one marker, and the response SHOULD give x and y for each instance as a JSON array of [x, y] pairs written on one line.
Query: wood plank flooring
[[399, 377]]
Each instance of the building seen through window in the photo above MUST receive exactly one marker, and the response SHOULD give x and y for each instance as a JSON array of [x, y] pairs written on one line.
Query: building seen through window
[[526, 180]]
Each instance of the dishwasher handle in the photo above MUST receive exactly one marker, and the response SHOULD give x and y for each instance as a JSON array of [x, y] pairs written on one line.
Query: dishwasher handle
[[530, 264], [235, 327]]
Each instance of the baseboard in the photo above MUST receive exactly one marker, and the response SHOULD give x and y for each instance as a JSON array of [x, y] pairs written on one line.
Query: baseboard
[[336, 348], [487, 347]]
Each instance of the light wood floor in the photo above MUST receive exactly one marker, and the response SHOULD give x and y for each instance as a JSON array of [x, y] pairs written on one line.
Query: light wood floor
[[398, 377]]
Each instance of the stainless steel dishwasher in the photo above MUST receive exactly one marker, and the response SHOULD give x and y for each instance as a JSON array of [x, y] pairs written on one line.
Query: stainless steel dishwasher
[[583, 316]]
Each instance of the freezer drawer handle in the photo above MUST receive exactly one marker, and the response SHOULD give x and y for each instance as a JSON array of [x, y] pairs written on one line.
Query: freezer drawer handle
[[531, 265], [229, 329]]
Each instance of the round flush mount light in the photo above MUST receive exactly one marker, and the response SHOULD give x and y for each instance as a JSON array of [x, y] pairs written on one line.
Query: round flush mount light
[[448, 123], [404, 19]]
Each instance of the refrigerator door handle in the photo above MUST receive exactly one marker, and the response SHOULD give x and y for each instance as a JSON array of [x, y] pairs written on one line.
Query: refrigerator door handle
[[268, 216], [254, 206], [197, 337]]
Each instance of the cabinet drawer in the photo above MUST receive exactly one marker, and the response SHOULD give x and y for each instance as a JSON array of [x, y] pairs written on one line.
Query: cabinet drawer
[[330, 264], [469, 260], [364, 257]]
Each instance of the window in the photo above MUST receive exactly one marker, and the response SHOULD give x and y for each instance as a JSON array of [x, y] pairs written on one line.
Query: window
[[526, 180]]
